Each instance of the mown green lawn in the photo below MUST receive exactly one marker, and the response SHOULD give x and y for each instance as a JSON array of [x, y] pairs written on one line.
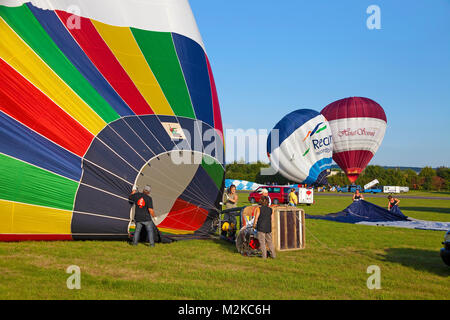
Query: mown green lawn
[[333, 265]]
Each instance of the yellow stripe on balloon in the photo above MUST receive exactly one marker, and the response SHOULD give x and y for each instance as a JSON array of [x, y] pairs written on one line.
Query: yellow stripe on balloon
[[125, 48], [21, 218], [175, 231], [18, 55]]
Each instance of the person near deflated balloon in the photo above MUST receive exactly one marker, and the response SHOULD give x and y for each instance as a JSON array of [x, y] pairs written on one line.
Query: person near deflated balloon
[[230, 201], [357, 196], [393, 202], [263, 225], [231, 197], [143, 214]]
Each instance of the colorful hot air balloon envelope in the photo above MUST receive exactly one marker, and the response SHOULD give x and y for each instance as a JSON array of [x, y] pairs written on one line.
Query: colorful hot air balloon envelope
[[97, 97], [358, 126], [302, 152]]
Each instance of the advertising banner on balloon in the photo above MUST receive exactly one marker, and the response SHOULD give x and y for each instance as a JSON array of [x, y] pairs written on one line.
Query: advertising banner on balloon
[[304, 153], [357, 134]]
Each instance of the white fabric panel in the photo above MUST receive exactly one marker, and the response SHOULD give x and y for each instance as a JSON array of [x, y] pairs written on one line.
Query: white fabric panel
[[412, 224], [154, 15], [288, 157], [357, 134]]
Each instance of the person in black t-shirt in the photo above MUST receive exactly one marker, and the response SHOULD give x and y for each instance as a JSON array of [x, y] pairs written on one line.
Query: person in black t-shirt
[[392, 202], [358, 196], [263, 224], [143, 213]]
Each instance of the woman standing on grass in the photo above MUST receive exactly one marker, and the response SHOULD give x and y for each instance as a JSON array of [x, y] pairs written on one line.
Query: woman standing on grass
[[263, 224], [293, 200], [231, 197], [230, 201]]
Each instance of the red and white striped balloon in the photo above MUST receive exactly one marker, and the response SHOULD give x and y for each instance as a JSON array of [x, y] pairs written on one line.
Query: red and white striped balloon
[[358, 126]]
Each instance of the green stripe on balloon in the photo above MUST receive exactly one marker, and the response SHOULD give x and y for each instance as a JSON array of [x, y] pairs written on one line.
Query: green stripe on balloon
[[161, 56], [214, 170], [307, 151], [321, 129], [22, 182], [23, 22]]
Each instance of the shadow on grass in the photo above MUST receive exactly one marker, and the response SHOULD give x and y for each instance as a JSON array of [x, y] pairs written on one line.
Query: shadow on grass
[[228, 246], [421, 260], [427, 209]]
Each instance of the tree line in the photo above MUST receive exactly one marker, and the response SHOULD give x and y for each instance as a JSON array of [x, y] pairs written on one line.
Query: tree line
[[427, 179]]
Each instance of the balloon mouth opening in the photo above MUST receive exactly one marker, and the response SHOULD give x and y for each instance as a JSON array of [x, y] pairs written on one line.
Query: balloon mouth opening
[[322, 178], [169, 175], [353, 174]]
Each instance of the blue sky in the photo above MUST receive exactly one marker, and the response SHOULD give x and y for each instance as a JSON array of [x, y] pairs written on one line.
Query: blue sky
[[272, 57]]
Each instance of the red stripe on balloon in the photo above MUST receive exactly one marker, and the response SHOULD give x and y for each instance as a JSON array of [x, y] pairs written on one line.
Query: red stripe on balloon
[[24, 102], [34, 237], [354, 107], [103, 58], [353, 162], [184, 216], [215, 99]]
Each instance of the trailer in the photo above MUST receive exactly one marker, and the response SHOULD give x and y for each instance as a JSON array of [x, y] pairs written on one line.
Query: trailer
[[391, 189]]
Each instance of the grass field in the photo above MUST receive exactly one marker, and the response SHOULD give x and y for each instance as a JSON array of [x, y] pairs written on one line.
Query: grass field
[[333, 265]]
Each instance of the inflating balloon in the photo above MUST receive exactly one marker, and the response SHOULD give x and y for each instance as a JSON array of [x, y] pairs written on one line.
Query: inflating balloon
[[358, 126], [300, 146], [99, 97]]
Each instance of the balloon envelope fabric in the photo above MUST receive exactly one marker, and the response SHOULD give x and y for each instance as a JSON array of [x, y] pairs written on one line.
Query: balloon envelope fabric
[[300, 146], [358, 126], [98, 97], [242, 184]]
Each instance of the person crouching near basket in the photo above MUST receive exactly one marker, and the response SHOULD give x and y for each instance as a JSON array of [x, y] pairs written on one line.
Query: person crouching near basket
[[263, 224]]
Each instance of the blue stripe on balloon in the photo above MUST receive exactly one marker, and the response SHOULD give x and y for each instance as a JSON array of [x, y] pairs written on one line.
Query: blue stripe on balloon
[[200, 188], [289, 124], [99, 178], [88, 227], [101, 155], [131, 137], [121, 147], [63, 39], [91, 200], [22, 143], [145, 134], [317, 169], [195, 69]]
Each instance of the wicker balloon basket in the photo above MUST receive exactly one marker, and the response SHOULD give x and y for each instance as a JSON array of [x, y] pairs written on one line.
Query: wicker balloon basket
[[288, 226]]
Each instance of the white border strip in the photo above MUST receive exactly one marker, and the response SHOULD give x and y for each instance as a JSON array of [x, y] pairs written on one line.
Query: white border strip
[[153, 15]]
